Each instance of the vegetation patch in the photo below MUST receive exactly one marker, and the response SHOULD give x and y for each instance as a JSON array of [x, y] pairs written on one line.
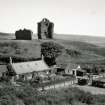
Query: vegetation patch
[[27, 95], [73, 53]]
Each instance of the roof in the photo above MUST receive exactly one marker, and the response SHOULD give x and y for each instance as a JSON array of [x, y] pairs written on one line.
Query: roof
[[26, 67], [72, 66], [79, 70]]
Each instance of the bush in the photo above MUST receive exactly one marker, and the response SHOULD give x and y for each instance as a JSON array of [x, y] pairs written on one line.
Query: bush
[[73, 53], [50, 50]]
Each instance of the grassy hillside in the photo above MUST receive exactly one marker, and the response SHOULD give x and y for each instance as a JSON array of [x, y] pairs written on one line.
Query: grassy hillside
[[28, 95], [100, 41], [90, 49], [6, 36], [88, 53], [19, 49]]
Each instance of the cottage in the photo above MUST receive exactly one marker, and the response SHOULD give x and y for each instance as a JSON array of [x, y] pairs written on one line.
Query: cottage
[[75, 70], [29, 70], [69, 68]]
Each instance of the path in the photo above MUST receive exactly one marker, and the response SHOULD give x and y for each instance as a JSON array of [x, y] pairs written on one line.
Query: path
[[86, 88], [58, 85], [91, 89]]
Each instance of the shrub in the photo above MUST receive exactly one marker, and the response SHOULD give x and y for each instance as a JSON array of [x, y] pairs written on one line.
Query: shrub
[[73, 53], [50, 50]]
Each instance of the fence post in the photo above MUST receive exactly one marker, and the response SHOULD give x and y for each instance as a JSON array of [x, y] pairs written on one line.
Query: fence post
[[54, 83], [64, 83]]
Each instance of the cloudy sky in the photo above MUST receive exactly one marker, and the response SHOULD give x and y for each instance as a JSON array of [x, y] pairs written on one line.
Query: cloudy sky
[[85, 17]]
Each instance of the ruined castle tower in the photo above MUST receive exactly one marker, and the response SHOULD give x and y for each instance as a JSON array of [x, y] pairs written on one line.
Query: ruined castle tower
[[45, 29]]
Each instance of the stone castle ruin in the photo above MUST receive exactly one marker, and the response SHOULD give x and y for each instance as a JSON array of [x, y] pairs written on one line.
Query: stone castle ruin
[[24, 34], [45, 29]]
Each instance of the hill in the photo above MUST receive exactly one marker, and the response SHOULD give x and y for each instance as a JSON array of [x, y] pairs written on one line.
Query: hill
[[77, 49], [30, 50], [100, 41], [19, 50], [89, 53], [6, 36]]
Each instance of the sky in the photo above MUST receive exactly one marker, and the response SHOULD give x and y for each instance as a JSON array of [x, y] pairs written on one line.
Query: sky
[[83, 17]]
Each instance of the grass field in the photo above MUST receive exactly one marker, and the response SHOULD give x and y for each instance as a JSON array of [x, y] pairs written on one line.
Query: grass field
[[19, 49], [90, 53], [93, 90], [97, 40]]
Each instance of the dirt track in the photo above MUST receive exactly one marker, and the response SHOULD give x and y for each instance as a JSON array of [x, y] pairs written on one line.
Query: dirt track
[[93, 90]]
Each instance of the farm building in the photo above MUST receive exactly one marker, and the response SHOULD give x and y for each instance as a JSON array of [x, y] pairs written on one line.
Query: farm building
[[71, 69], [78, 72], [75, 70], [45, 29], [24, 34]]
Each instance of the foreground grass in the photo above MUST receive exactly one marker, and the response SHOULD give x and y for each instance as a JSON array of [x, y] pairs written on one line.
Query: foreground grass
[[91, 89], [28, 95]]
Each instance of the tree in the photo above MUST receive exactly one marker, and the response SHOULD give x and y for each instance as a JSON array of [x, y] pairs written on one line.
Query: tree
[[50, 50]]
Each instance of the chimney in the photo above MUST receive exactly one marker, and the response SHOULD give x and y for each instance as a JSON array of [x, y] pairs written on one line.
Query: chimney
[[10, 60], [42, 57]]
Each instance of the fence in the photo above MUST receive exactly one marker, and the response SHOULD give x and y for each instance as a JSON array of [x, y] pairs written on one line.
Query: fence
[[63, 84]]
